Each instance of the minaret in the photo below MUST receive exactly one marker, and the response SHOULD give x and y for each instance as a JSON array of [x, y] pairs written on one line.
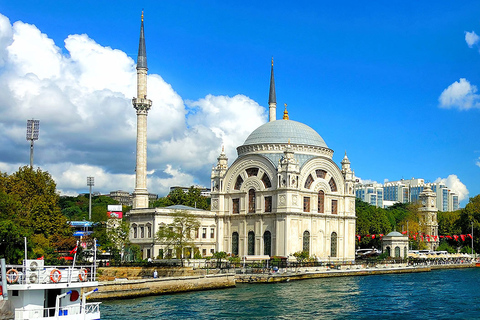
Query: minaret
[[272, 98], [142, 105]]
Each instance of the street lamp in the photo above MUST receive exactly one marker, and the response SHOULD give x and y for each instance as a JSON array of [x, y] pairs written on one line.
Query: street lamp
[[33, 127], [90, 183]]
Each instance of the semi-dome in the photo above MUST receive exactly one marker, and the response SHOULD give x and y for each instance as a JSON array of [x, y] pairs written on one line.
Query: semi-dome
[[283, 131], [394, 234]]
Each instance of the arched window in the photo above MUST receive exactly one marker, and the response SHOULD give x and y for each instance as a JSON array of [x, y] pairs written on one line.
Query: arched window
[[266, 181], [308, 182], [235, 243], [267, 243], [251, 243], [388, 251], [134, 228], [321, 173], [238, 183], [149, 230], [321, 201], [405, 252], [142, 231], [306, 242], [251, 201], [333, 245], [252, 171], [397, 252], [333, 185]]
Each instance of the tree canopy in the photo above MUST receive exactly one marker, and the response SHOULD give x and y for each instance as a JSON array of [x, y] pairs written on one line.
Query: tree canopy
[[192, 198], [29, 208]]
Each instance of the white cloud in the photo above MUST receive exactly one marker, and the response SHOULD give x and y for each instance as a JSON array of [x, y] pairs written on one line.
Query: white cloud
[[471, 38], [478, 162], [87, 122], [460, 94], [453, 183]]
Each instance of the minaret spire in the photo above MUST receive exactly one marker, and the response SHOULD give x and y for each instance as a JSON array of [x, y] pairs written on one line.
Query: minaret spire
[[142, 51], [141, 105], [272, 97]]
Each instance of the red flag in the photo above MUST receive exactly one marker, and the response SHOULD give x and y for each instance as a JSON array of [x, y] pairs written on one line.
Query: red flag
[[463, 237], [441, 237], [455, 237], [74, 250], [421, 237], [435, 237], [358, 237], [404, 232], [373, 236], [449, 237], [414, 237], [381, 235], [469, 235], [41, 258]]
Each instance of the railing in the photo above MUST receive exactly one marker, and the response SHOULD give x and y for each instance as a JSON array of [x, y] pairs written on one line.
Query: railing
[[19, 274], [90, 308]]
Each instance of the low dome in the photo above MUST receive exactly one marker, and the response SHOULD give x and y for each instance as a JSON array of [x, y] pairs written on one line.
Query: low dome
[[395, 234], [282, 131]]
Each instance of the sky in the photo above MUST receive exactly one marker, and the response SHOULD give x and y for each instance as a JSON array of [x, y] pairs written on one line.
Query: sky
[[394, 84]]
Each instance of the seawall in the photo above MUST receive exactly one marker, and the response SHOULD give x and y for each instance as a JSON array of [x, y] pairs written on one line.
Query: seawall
[[124, 288]]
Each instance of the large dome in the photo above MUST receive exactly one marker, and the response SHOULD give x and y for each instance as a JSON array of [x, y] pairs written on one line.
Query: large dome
[[282, 131]]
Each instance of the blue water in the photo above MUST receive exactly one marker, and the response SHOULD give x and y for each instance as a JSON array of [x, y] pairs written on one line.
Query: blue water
[[443, 294]]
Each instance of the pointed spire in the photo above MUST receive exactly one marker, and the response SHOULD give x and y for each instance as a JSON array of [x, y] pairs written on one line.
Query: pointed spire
[[272, 97], [285, 113], [142, 51]]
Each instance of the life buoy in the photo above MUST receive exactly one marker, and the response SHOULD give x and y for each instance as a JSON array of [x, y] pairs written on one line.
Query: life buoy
[[12, 276], [55, 275], [82, 275]]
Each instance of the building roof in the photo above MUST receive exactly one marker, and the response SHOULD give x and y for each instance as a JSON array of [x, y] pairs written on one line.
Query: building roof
[[284, 131], [182, 207], [142, 51], [395, 234]]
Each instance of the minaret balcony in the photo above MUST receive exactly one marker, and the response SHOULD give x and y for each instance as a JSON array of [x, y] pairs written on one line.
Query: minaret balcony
[[142, 102]]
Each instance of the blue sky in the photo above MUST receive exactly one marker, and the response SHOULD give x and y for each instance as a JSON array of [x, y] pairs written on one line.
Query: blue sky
[[368, 77]]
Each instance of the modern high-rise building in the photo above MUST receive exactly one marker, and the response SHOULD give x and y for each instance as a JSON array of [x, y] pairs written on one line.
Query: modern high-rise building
[[405, 191]]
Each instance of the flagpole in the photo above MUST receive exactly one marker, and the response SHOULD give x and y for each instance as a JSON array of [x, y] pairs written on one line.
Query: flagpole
[[94, 258], [74, 258]]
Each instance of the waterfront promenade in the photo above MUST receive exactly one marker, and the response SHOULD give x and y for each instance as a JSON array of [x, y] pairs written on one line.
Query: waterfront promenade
[[124, 288]]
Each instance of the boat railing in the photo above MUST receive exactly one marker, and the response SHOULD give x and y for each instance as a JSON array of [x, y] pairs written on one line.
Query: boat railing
[[19, 274], [71, 310]]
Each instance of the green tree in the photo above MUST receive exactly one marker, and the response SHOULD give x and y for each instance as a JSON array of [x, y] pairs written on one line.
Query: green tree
[[192, 198], [118, 235], [178, 234], [468, 215], [29, 208]]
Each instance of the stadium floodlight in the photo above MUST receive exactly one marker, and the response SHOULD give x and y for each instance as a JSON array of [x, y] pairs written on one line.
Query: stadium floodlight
[[90, 183], [33, 127]]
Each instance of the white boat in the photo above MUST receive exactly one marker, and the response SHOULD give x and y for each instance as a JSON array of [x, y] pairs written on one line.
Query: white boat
[[36, 291]]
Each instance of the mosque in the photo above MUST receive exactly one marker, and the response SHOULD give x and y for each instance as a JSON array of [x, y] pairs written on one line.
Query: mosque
[[282, 194]]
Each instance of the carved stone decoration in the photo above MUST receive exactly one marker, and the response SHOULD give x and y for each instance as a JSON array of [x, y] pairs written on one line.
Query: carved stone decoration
[[215, 204], [282, 200], [294, 199]]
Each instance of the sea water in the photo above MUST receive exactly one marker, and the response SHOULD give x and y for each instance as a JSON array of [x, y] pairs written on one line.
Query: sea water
[[440, 294]]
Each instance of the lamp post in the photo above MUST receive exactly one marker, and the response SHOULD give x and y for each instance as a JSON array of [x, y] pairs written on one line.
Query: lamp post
[[33, 127], [90, 183]]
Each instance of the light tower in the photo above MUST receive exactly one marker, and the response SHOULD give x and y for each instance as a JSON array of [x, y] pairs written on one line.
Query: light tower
[[90, 184], [33, 127], [141, 105]]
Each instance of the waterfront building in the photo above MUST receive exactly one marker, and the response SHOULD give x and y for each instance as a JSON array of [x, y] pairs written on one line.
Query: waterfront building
[[283, 194], [395, 244], [145, 223]]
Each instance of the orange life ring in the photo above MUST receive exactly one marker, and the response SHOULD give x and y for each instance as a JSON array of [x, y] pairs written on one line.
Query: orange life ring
[[12, 276], [55, 275], [82, 275]]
